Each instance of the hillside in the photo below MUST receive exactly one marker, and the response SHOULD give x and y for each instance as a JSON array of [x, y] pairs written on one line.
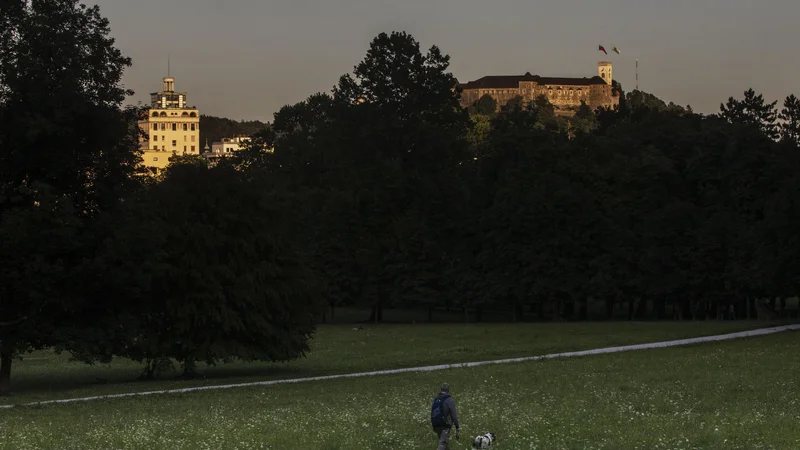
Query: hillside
[[215, 128]]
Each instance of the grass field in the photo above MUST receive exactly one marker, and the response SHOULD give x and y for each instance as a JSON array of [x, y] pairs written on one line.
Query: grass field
[[728, 395], [339, 349]]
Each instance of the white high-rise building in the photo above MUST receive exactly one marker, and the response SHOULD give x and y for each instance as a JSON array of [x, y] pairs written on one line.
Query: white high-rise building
[[171, 127]]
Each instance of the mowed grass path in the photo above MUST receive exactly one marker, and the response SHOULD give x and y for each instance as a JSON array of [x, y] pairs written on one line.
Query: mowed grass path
[[728, 395], [339, 349]]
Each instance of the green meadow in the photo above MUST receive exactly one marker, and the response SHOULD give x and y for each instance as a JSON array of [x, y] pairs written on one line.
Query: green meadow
[[727, 395]]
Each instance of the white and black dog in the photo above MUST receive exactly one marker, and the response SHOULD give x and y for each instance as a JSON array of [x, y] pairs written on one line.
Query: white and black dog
[[483, 441]]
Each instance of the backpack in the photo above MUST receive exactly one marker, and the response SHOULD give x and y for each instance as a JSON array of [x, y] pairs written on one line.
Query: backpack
[[438, 419]]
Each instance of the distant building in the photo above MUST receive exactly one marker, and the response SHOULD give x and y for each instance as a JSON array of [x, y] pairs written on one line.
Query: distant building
[[171, 127], [565, 94], [224, 148]]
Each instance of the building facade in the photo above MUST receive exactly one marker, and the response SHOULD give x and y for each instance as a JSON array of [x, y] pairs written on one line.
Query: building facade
[[170, 127], [223, 148], [566, 94]]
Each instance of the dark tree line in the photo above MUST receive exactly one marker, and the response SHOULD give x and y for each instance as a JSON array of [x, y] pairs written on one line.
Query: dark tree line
[[383, 193], [413, 202]]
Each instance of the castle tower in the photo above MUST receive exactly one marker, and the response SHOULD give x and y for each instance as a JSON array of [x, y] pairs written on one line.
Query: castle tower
[[604, 71]]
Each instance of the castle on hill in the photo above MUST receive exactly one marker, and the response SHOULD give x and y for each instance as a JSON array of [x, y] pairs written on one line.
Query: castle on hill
[[565, 94]]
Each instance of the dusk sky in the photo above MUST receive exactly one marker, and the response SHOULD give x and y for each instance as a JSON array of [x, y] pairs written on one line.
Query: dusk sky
[[244, 59]]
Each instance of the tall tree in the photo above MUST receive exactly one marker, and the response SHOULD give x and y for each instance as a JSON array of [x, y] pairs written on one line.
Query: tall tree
[[68, 151], [213, 283], [413, 97], [40, 245], [400, 132], [752, 110], [790, 117], [61, 120]]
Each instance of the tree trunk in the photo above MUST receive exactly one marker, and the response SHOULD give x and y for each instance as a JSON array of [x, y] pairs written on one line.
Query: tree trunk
[[189, 368], [687, 311], [569, 309], [641, 308], [557, 314], [661, 308], [5, 373], [783, 303], [149, 370], [377, 313]]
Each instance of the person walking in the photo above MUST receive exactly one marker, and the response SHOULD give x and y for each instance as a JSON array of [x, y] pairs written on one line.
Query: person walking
[[444, 417]]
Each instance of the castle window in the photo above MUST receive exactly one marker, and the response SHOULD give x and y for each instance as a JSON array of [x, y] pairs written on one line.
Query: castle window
[[155, 113], [192, 138], [163, 148], [185, 127], [163, 126], [192, 127], [155, 147], [155, 158], [174, 143], [193, 148], [174, 127], [155, 137], [163, 114], [192, 115], [155, 126]]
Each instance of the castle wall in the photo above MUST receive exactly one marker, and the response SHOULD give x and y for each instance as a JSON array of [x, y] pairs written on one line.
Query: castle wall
[[565, 98], [501, 96]]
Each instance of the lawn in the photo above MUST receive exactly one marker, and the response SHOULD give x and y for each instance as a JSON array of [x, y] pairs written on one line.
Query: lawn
[[726, 395], [338, 349]]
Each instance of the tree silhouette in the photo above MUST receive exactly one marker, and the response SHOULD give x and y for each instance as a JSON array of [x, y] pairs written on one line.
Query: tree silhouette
[[790, 117], [752, 110]]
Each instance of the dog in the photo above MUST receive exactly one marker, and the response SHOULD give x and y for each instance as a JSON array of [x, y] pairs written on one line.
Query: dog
[[483, 441]]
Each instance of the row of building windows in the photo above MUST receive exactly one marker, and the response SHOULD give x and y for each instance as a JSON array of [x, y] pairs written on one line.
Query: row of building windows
[[164, 114], [163, 148], [186, 126], [164, 138], [550, 91]]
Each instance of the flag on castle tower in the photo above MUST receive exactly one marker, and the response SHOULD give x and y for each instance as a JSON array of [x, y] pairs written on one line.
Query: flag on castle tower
[[614, 48], [602, 49]]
